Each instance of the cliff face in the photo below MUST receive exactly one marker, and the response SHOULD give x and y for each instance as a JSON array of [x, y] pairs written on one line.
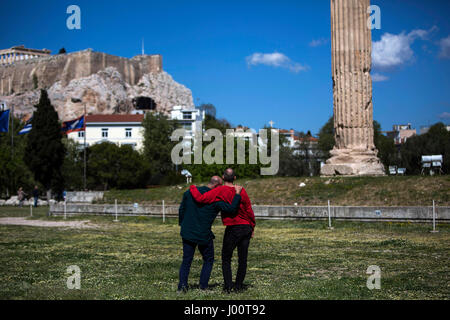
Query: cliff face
[[100, 82]]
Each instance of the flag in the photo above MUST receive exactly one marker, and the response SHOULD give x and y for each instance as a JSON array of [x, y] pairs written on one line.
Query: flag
[[27, 127], [4, 121], [73, 125]]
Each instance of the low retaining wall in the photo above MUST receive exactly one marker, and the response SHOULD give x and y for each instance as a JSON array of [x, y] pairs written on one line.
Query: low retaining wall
[[272, 212], [84, 196]]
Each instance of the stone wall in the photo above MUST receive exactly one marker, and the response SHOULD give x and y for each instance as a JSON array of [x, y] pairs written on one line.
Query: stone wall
[[83, 196], [276, 212], [18, 77]]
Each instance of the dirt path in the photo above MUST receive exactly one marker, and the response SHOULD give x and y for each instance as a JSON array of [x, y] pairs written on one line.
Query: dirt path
[[83, 224]]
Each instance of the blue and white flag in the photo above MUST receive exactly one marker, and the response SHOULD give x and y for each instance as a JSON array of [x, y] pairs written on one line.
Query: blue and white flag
[[27, 127], [4, 121], [73, 125]]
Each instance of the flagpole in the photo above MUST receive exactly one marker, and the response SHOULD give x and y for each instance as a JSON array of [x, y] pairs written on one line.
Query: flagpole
[[12, 131], [84, 147]]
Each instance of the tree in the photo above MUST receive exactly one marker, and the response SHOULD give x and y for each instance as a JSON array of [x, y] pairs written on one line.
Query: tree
[[157, 145], [209, 108], [73, 166], [220, 124], [44, 153], [326, 138], [435, 142], [35, 81], [111, 166], [62, 51], [14, 173], [387, 152]]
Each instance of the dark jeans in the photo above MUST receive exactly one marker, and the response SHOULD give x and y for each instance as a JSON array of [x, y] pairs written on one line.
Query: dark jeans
[[235, 236], [207, 252], [36, 201]]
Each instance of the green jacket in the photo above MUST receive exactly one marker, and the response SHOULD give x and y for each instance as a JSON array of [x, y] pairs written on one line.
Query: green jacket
[[196, 218]]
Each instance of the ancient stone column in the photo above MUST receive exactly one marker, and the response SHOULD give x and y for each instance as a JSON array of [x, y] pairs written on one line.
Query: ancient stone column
[[354, 152]]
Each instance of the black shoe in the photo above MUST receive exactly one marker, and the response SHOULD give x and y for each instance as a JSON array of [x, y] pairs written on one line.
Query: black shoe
[[238, 288], [227, 290]]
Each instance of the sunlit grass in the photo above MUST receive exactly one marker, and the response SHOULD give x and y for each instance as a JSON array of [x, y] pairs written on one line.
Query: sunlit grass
[[347, 191], [139, 258]]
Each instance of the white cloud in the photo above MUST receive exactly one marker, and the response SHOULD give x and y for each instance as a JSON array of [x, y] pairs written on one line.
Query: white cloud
[[318, 42], [378, 77], [444, 115], [445, 48], [394, 50], [276, 59]]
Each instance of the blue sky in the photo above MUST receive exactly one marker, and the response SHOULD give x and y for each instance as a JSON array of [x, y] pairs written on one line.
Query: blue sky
[[258, 61]]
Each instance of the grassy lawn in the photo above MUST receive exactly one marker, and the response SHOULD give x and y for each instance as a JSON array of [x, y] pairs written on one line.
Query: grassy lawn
[[139, 257], [365, 191]]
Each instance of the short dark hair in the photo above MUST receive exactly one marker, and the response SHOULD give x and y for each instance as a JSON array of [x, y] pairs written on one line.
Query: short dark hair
[[215, 180], [228, 175]]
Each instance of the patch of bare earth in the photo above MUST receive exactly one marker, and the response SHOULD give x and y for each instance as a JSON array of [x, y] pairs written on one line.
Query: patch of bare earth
[[80, 224]]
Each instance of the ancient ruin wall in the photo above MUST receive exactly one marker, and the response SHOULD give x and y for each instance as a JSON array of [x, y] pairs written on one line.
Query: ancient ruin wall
[[18, 77]]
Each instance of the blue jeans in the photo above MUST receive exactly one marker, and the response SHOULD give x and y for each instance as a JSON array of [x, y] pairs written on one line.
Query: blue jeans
[[207, 252]]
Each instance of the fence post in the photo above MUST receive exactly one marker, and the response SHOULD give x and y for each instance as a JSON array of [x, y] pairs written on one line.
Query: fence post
[[31, 210], [164, 211], [329, 216], [434, 218], [115, 207]]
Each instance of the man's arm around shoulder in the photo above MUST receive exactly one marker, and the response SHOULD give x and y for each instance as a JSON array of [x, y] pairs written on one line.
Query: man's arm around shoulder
[[207, 197], [230, 208]]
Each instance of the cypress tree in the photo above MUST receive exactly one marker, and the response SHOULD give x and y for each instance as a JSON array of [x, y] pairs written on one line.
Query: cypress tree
[[45, 151]]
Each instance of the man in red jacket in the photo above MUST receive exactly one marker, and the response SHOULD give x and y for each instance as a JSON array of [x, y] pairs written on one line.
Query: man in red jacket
[[239, 227]]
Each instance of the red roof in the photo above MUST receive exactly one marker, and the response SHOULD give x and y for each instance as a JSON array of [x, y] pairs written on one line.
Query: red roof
[[312, 139], [114, 118]]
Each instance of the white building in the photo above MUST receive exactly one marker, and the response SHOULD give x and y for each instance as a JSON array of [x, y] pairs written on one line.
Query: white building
[[117, 128], [190, 119], [127, 129]]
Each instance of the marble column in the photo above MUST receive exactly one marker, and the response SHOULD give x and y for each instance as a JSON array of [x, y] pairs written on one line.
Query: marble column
[[354, 152]]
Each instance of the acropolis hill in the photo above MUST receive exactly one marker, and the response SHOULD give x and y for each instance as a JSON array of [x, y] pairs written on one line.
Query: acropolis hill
[[101, 82]]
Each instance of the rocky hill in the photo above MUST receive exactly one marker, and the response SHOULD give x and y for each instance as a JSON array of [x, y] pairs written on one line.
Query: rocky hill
[[102, 83]]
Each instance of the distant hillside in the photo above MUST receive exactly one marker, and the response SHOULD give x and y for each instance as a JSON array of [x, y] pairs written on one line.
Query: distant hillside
[[362, 191]]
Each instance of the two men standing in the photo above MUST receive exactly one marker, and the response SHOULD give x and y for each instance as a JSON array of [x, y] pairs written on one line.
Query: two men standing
[[197, 212]]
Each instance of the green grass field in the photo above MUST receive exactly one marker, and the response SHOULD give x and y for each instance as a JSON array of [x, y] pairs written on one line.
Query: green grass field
[[139, 257], [345, 191]]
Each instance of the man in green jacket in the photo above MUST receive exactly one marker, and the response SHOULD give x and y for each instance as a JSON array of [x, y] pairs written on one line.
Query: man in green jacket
[[196, 220]]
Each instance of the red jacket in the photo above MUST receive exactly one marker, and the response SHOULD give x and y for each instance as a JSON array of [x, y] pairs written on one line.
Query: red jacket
[[245, 214]]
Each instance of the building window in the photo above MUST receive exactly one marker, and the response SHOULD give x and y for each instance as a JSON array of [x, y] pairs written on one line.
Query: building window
[[104, 133], [80, 134], [187, 115], [128, 133]]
